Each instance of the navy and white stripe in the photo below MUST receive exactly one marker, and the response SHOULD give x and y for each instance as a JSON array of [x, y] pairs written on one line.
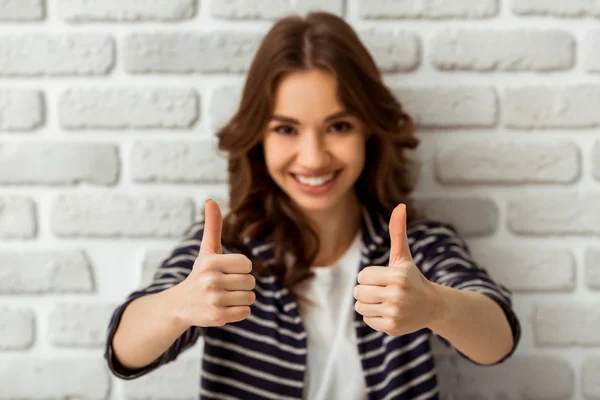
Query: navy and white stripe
[[264, 356]]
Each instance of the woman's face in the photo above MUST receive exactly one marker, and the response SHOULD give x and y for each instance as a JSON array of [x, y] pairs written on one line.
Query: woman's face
[[314, 150]]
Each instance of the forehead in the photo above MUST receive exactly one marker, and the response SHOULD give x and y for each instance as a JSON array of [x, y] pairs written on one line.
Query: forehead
[[307, 94]]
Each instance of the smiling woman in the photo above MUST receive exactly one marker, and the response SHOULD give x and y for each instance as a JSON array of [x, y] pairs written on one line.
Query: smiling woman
[[316, 154], [322, 282], [313, 104]]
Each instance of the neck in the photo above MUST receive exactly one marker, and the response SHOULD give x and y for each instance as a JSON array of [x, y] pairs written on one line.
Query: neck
[[336, 229]]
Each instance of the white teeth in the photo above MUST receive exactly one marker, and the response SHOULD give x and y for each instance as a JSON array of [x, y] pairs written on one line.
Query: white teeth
[[314, 180]]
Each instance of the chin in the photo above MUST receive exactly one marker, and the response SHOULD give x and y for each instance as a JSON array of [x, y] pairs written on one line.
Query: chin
[[314, 205]]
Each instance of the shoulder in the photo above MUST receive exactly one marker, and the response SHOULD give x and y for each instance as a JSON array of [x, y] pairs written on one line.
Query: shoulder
[[432, 236], [428, 229]]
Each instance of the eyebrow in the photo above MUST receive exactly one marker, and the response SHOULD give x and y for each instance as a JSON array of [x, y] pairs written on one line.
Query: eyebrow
[[289, 120]]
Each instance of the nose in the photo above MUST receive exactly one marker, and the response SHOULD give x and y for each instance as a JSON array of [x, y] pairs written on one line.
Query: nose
[[312, 151]]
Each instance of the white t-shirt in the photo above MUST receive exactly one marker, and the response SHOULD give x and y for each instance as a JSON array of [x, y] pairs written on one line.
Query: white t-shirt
[[326, 305]]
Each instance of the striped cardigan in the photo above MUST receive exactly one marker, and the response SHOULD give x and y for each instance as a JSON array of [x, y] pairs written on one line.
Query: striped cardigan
[[264, 356]]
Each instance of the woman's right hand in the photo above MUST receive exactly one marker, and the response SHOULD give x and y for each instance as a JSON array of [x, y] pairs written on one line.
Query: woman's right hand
[[219, 288]]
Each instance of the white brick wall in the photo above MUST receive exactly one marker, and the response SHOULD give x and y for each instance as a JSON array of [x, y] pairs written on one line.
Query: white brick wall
[[107, 110]]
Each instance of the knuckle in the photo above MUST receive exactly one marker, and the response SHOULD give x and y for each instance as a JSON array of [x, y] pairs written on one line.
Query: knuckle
[[209, 263], [213, 298], [215, 315], [210, 280], [393, 293], [393, 311], [389, 324], [398, 278]]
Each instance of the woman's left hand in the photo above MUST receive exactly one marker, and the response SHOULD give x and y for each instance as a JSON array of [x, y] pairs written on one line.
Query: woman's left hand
[[397, 299]]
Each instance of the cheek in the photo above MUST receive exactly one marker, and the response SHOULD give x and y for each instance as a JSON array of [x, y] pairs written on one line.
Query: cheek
[[274, 154], [355, 154]]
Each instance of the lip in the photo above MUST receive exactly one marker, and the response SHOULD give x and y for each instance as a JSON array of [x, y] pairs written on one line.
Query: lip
[[315, 173], [312, 190]]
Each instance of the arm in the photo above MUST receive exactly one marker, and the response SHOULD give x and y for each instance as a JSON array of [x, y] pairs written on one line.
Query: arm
[[144, 332], [196, 287], [472, 312], [446, 293], [148, 328], [474, 324]]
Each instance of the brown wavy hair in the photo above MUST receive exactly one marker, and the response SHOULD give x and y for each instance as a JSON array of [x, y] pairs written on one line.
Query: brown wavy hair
[[259, 209]]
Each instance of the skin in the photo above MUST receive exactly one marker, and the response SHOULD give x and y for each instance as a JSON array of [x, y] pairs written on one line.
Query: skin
[[311, 134], [396, 299]]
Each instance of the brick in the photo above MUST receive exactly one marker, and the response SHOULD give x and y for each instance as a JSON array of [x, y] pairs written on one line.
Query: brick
[[590, 380], [175, 381], [471, 216], [566, 324], [555, 214], [45, 271], [270, 9], [509, 162], [449, 106], [574, 106], [525, 269], [393, 51], [58, 163], [21, 10], [188, 52], [77, 54], [79, 324], [17, 218], [120, 215], [21, 109], [223, 103], [117, 108], [17, 328], [437, 9], [596, 161], [589, 49], [178, 162], [126, 10], [592, 268], [503, 50], [522, 377], [73, 377], [571, 8]]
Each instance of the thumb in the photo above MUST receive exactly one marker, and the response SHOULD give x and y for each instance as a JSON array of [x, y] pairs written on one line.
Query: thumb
[[399, 248], [213, 221]]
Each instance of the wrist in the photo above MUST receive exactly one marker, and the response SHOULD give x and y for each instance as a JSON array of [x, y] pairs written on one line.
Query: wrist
[[172, 308], [439, 307]]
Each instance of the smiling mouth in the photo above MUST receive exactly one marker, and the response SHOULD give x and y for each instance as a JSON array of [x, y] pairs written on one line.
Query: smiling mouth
[[316, 181]]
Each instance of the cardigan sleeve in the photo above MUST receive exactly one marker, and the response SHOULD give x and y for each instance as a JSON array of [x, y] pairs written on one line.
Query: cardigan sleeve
[[444, 258], [172, 271]]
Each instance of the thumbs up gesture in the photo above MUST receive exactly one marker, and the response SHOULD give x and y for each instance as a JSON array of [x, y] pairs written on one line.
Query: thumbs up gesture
[[396, 299], [219, 288]]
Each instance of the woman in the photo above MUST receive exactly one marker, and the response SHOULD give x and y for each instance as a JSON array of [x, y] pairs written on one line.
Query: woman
[[323, 281]]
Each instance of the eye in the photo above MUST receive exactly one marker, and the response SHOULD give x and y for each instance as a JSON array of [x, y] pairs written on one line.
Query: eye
[[284, 130], [340, 127]]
